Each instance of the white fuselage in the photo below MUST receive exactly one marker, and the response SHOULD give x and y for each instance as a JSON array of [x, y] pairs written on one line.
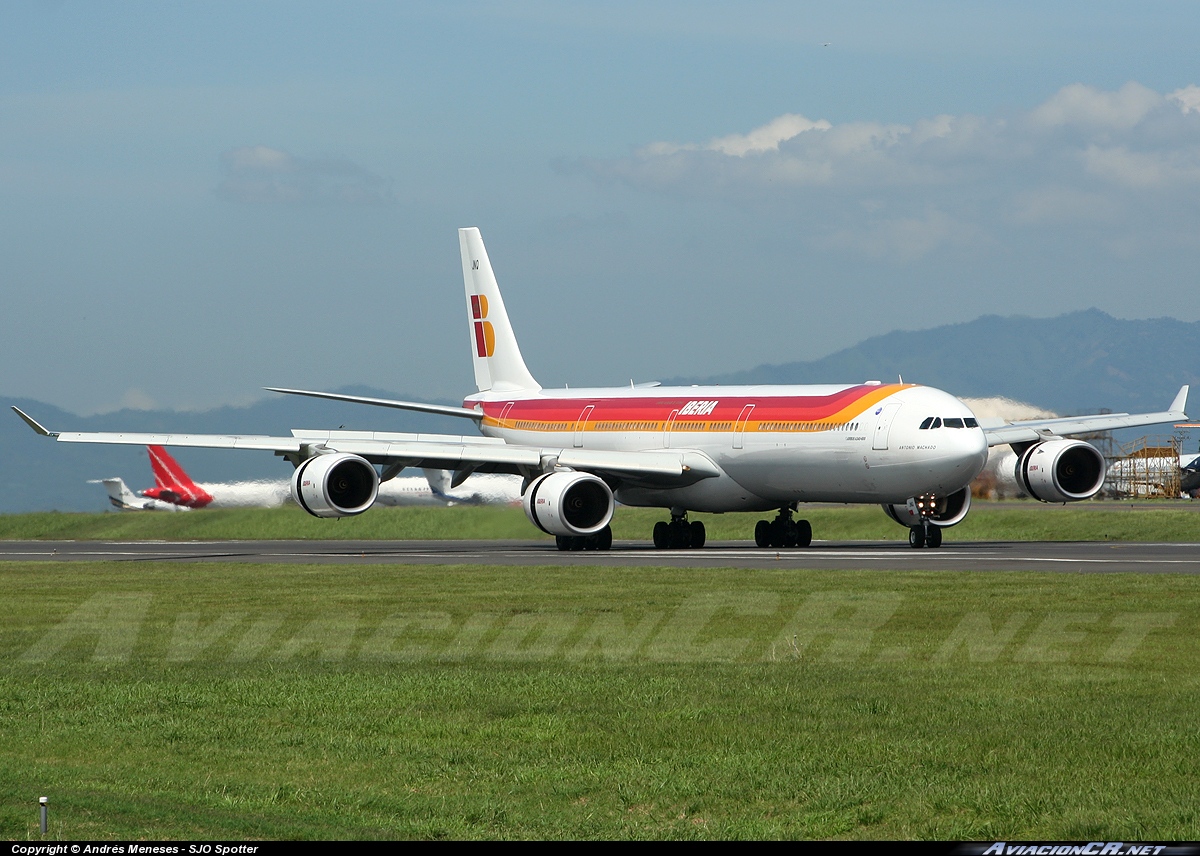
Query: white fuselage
[[774, 445]]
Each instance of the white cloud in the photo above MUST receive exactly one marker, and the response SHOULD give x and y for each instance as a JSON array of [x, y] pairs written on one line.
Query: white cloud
[[263, 175], [1085, 158], [1083, 106], [1188, 98], [768, 137]]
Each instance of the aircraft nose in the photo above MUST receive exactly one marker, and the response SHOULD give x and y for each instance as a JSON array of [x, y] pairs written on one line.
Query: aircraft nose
[[974, 449]]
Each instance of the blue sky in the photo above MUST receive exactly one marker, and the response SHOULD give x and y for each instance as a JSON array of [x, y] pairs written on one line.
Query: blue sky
[[204, 199]]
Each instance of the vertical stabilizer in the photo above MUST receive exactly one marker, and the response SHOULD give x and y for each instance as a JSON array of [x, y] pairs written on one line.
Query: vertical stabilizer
[[167, 472], [494, 352], [120, 496]]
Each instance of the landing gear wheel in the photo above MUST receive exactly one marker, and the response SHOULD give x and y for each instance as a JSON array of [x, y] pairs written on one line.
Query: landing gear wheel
[[933, 537], [662, 535], [916, 536], [783, 531], [681, 534], [678, 533]]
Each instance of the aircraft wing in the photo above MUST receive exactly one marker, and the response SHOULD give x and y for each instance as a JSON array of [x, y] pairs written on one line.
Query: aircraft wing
[[446, 452], [999, 432], [463, 454]]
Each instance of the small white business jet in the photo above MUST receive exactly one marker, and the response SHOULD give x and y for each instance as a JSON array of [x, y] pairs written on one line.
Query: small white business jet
[[912, 449]]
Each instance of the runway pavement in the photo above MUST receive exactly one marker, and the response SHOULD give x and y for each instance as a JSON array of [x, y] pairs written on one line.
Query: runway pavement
[[1061, 557]]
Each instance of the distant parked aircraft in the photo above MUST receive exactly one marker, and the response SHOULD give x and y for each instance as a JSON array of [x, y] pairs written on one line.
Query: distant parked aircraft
[[123, 499], [174, 490], [172, 484]]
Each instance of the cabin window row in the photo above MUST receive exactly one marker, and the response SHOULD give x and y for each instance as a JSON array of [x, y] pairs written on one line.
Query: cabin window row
[[808, 426]]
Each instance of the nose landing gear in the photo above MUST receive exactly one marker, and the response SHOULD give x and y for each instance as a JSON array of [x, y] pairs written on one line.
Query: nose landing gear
[[926, 535]]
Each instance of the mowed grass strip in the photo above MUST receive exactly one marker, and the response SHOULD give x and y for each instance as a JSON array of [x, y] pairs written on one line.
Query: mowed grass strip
[[1018, 521], [236, 701]]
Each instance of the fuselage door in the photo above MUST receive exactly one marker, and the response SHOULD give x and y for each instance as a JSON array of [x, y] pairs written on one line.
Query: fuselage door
[[582, 424], [883, 425], [670, 423], [739, 430]]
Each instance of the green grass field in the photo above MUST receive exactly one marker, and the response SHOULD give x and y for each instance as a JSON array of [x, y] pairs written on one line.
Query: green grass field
[[169, 701], [1018, 521]]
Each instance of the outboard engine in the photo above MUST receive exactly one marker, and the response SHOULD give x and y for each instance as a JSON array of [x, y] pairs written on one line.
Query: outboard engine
[[339, 485]]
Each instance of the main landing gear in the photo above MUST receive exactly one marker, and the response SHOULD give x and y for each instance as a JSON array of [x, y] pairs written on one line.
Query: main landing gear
[[783, 531], [602, 540], [679, 534], [925, 535]]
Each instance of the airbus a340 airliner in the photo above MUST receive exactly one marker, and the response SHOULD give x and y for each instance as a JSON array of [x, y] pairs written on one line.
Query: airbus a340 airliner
[[912, 449]]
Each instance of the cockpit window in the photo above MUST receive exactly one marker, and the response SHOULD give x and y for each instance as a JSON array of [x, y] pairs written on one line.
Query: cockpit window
[[949, 422]]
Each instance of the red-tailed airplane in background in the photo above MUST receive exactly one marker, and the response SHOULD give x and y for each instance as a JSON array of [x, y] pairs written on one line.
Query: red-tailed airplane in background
[[912, 449], [172, 484], [173, 488]]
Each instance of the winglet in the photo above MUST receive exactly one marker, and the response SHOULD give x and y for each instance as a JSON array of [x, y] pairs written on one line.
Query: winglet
[[33, 423], [1179, 405]]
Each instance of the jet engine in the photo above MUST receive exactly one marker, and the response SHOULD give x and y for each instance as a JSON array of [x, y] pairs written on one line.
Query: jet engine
[[939, 510], [1061, 471], [338, 485], [568, 503]]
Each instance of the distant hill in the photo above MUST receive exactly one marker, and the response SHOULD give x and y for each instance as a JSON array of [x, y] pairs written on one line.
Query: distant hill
[[1080, 362], [1076, 363]]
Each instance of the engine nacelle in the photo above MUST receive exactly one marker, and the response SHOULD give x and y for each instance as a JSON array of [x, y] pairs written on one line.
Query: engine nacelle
[[1061, 471], [338, 485], [941, 511], [568, 503]]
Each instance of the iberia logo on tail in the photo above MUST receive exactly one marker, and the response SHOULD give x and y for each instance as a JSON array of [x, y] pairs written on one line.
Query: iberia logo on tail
[[485, 334]]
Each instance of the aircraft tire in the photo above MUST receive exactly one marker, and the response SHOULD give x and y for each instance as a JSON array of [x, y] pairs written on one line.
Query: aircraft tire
[[933, 538], [916, 537], [662, 535], [762, 533], [803, 533], [698, 534]]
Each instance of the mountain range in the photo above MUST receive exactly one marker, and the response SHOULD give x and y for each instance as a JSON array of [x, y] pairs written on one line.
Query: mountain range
[[1081, 362]]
